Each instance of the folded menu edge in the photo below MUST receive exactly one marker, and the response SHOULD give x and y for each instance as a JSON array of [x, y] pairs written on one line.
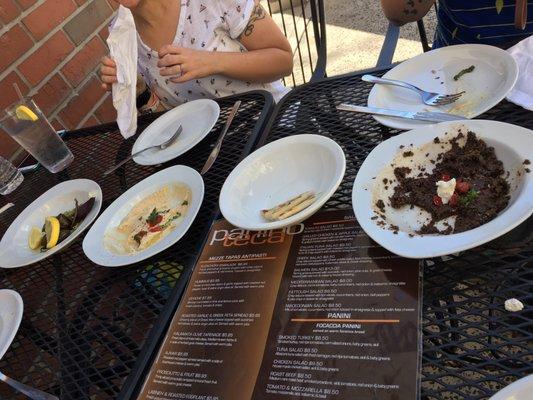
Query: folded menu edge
[[122, 42]]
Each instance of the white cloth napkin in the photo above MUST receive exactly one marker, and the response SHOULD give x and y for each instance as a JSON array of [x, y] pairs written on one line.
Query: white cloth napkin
[[522, 93], [122, 42]]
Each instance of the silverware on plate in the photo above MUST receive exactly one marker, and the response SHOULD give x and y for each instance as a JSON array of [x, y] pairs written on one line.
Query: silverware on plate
[[160, 146], [32, 393], [214, 153], [430, 98], [420, 116]]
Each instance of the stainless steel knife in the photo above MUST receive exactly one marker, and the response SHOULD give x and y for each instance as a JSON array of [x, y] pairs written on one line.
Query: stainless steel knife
[[420, 116], [214, 153]]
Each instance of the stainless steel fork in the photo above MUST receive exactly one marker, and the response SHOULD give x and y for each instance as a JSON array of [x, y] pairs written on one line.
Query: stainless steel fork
[[32, 393], [429, 98]]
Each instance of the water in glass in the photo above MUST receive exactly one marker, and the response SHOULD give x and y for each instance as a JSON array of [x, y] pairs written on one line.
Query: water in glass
[[38, 137], [10, 176]]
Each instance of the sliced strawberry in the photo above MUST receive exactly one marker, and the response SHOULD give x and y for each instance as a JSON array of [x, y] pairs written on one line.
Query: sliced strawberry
[[437, 201], [454, 200], [155, 229], [446, 177], [462, 187]]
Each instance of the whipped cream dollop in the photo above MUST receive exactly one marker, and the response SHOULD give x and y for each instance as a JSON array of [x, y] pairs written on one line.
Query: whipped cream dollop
[[513, 305], [445, 189]]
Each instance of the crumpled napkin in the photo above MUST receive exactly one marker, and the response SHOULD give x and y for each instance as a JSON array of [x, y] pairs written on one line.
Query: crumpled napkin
[[522, 93], [122, 42]]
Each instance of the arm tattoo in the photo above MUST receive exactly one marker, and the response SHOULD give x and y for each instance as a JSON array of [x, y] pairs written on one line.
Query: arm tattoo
[[258, 13]]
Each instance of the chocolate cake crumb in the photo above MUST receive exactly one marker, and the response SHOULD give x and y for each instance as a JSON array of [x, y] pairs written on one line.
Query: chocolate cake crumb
[[374, 217], [475, 163], [401, 172], [436, 140], [527, 162], [411, 235], [528, 170], [402, 146], [427, 155], [394, 228], [380, 204], [385, 181], [408, 153]]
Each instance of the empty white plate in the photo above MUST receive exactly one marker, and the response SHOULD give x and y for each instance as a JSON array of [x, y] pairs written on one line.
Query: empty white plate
[[11, 308], [197, 119], [14, 249], [512, 145], [278, 172], [494, 76], [519, 390], [93, 244]]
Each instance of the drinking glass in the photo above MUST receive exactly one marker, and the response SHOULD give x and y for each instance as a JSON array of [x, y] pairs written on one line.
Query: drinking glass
[[26, 123], [10, 176]]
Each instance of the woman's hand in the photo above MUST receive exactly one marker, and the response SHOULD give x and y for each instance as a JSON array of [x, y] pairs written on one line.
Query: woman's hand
[[184, 64], [108, 72]]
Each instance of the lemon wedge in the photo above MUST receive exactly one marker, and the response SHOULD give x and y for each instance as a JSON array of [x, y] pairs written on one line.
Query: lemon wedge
[[34, 240], [26, 114], [51, 228]]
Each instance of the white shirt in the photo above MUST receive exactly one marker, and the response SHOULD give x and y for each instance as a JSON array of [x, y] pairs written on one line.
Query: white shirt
[[210, 25]]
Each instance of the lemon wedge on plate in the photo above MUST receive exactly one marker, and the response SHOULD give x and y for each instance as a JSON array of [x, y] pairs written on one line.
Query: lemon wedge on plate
[[51, 228], [24, 113], [34, 240]]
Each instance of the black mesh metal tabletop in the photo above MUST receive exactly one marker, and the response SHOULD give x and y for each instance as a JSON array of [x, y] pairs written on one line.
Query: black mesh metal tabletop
[[472, 347], [85, 326]]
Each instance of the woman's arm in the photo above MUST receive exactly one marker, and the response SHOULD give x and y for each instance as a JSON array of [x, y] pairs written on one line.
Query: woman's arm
[[269, 55], [400, 12]]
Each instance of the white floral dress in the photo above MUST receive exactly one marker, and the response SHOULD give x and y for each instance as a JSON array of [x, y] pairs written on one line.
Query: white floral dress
[[210, 25]]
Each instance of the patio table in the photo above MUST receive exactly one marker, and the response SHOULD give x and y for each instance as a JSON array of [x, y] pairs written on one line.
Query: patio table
[[85, 326], [472, 347], [88, 333]]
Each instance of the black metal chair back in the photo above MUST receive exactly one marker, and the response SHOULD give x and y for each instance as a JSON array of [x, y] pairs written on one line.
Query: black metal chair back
[[304, 24], [391, 40]]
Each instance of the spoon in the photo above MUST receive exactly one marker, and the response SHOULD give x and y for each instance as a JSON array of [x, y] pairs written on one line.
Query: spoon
[[161, 146]]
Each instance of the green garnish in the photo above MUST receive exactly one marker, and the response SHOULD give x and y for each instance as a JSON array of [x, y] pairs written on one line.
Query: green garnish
[[469, 197], [152, 218], [167, 224], [185, 203], [464, 71]]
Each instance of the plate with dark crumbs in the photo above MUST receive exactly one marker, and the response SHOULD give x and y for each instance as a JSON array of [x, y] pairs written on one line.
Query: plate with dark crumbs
[[445, 188]]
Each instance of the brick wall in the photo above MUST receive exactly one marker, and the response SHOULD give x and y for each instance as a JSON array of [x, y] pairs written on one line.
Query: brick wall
[[52, 50]]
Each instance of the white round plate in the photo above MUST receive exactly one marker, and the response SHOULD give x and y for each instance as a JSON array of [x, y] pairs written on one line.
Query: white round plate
[[512, 145], [11, 308], [197, 119], [93, 244], [519, 390], [277, 172], [14, 250], [494, 76]]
